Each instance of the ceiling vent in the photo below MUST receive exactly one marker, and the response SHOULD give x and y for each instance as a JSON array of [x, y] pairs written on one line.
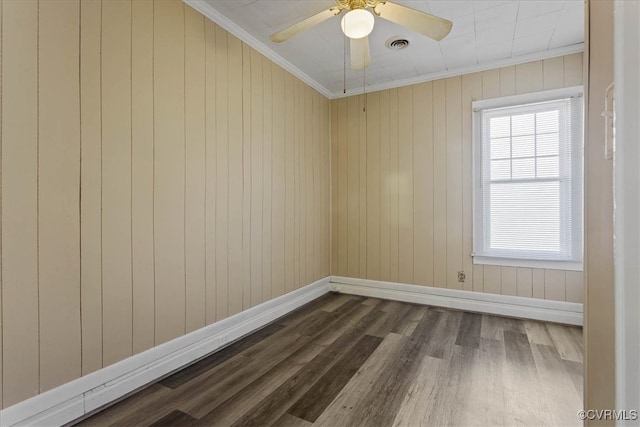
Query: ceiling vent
[[397, 43]]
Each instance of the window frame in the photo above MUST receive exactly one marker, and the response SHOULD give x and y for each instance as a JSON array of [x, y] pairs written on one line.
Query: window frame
[[478, 107]]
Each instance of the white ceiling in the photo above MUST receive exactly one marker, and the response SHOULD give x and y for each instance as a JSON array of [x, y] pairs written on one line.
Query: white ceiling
[[485, 34]]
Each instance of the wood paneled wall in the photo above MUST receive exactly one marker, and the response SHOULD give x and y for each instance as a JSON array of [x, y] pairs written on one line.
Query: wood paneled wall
[[599, 317], [157, 175], [402, 199]]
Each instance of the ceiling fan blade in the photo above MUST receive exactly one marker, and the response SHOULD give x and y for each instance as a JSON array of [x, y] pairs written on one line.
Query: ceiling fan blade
[[305, 24], [431, 26], [359, 51]]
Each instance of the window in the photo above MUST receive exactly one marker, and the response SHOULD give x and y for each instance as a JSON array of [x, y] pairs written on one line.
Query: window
[[528, 153]]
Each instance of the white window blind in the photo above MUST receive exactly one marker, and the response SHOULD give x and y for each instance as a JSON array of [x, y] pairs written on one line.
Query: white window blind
[[528, 189]]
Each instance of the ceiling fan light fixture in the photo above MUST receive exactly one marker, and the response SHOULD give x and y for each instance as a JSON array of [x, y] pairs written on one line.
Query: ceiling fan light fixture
[[357, 23]]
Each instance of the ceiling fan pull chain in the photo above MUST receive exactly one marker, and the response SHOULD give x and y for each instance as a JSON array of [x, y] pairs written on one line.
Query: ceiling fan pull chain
[[364, 87], [344, 65]]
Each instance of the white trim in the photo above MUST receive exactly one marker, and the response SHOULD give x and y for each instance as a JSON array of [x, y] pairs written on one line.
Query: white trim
[[505, 305], [627, 206], [528, 98], [73, 400], [213, 14], [210, 12], [529, 263], [569, 103]]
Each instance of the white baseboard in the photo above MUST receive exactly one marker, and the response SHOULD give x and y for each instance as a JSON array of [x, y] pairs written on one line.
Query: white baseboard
[[79, 397], [505, 305]]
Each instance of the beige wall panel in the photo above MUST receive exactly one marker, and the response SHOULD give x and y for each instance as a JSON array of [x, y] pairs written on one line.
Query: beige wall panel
[[267, 169], [150, 160], [142, 148], [508, 81], [529, 77], [310, 194], [394, 186], [575, 286], [362, 191], [0, 206], [599, 316], [343, 187], [440, 184], [116, 181], [405, 184], [493, 279], [454, 180], [334, 181], [490, 84], [508, 278], [316, 210], [554, 285], [305, 141], [246, 175], [278, 184], [373, 186], [58, 201], [235, 174], [256, 177], [19, 201], [222, 179], [91, 188], [298, 100], [385, 185], [194, 221], [299, 106], [538, 283], [353, 187], [169, 177], [441, 200], [471, 91], [211, 177], [305, 116], [524, 282], [553, 73], [478, 278], [324, 177], [290, 196], [327, 182], [422, 110], [317, 190], [573, 69]]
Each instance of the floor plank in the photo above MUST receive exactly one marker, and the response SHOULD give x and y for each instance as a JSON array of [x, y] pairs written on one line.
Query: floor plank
[[469, 330], [198, 368], [537, 332], [288, 420], [553, 374], [317, 398], [567, 340], [522, 386], [343, 360], [174, 418]]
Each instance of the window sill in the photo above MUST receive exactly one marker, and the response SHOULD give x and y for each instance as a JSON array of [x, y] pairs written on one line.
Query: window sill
[[529, 263]]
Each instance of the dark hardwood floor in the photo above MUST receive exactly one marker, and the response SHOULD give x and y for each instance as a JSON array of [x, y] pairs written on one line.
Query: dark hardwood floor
[[350, 361]]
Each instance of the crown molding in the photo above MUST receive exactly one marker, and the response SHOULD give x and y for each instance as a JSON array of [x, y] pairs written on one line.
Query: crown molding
[[210, 12], [537, 56], [207, 10]]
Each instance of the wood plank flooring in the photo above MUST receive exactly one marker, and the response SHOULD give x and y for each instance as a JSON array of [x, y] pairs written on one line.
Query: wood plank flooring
[[351, 361]]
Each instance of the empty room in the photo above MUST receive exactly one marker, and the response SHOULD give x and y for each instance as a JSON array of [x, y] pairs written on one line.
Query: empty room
[[305, 213]]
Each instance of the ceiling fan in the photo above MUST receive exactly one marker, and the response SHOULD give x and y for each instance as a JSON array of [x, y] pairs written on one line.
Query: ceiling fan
[[358, 23]]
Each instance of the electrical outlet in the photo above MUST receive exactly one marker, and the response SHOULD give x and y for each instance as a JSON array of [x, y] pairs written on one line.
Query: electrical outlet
[[461, 276]]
